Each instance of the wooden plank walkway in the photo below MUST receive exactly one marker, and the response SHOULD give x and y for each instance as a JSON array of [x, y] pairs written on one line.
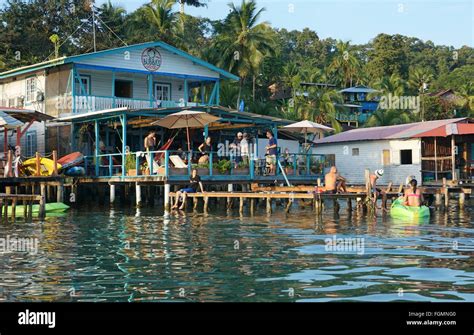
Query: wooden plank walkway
[[27, 201]]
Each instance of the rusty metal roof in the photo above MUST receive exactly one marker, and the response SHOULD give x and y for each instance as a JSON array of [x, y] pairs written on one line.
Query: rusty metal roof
[[402, 131]]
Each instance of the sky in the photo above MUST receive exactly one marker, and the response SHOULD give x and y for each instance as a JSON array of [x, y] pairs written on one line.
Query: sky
[[445, 22]]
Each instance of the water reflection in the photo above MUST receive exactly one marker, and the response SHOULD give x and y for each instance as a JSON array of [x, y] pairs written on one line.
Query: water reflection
[[146, 255]]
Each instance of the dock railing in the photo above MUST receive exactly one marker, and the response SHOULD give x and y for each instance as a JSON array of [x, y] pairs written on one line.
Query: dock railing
[[174, 165]]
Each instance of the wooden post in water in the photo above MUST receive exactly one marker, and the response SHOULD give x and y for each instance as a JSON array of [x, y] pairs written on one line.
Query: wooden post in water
[[60, 193], [5, 210], [206, 203], [349, 205], [167, 196], [462, 199], [269, 205], [112, 193], [30, 210], [14, 210], [25, 209], [138, 194], [252, 206], [438, 200], [42, 204], [446, 193], [230, 188], [241, 205]]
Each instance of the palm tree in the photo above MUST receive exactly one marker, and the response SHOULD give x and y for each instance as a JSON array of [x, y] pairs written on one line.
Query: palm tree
[[394, 85], [345, 64], [161, 15], [194, 3], [320, 106], [388, 118], [419, 79], [243, 43], [466, 92]]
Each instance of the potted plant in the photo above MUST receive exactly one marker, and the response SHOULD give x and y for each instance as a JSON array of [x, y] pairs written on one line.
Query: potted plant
[[222, 167], [131, 165]]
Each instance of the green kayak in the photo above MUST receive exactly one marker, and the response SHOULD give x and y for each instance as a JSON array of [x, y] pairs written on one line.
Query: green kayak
[[51, 207], [399, 210]]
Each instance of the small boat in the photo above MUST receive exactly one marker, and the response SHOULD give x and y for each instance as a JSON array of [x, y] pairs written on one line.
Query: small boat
[[400, 211], [46, 166], [75, 171], [70, 160], [50, 208]]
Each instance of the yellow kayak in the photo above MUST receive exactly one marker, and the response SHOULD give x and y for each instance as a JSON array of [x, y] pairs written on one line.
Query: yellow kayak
[[46, 166]]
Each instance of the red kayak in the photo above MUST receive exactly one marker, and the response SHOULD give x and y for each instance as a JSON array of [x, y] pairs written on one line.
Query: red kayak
[[70, 160]]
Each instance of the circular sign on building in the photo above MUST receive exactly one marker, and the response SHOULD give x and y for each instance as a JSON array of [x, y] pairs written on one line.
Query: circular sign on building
[[151, 59]]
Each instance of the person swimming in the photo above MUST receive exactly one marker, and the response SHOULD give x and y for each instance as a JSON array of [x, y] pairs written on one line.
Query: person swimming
[[413, 196]]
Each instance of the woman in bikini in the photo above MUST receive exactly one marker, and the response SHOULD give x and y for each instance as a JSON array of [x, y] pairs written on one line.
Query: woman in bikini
[[413, 196]]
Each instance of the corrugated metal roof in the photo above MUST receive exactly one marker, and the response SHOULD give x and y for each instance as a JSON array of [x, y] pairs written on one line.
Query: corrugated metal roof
[[358, 89], [401, 131]]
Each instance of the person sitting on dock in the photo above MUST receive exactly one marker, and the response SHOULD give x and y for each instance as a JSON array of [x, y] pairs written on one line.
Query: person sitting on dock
[[194, 184], [271, 150], [205, 149], [413, 196], [373, 182], [334, 182]]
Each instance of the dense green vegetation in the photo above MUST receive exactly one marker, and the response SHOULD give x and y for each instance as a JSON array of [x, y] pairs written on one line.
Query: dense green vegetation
[[245, 44]]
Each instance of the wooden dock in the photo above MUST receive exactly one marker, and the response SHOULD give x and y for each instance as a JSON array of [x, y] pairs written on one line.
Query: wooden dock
[[27, 200]]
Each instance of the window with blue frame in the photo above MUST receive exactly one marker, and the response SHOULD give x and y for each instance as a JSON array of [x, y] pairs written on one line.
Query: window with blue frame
[[84, 87], [31, 145]]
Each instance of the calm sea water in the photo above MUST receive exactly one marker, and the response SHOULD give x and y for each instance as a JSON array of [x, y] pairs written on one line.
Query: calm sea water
[[102, 254]]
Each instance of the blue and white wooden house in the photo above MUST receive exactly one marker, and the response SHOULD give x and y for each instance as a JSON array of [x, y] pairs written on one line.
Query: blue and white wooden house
[[109, 95]]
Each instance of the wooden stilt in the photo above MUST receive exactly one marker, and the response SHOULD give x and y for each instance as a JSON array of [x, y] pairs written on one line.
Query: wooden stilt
[[269, 205], [14, 210], [462, 199], [42, 205]]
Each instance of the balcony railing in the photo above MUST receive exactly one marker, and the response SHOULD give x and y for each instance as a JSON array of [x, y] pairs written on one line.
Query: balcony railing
[[92, 103], [138, 164]]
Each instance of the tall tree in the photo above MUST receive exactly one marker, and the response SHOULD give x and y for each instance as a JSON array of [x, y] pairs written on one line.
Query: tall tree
[[345, 65], [160, 14], [243, 43], [388, 55]]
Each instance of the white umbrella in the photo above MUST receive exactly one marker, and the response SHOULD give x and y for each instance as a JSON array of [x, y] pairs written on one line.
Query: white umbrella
[[186, 119], [306, 127]]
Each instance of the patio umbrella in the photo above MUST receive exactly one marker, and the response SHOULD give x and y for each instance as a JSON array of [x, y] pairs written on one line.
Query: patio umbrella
[[305, 127], [186, 119]]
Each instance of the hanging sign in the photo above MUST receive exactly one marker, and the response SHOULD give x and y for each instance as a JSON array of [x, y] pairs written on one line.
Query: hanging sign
[[151, 59]]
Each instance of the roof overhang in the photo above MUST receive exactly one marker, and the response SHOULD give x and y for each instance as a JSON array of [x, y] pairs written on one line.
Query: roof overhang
[[26, 115]]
